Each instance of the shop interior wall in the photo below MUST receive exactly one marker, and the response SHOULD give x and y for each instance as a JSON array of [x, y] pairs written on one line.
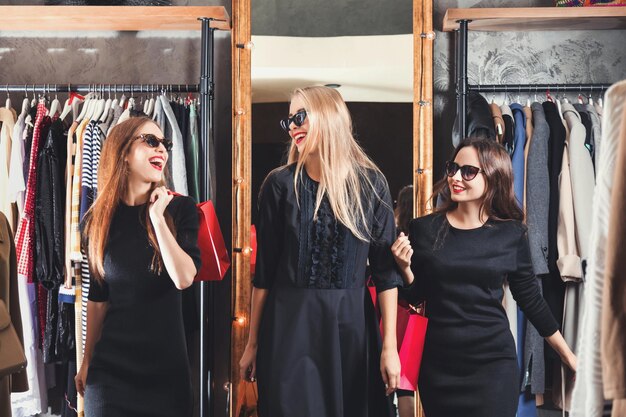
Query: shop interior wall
[[384, 130], [141, 58]]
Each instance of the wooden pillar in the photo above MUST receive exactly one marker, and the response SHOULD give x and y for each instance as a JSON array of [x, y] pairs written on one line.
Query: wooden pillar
[[241, 203], [423, 39]]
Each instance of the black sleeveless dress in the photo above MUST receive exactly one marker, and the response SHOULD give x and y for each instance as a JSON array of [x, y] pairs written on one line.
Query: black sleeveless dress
[[140, 366], [469, 366], [319, 344]]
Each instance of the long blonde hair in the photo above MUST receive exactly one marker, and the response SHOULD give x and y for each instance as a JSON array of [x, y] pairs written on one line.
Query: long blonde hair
[[112, 187], [346, 171]]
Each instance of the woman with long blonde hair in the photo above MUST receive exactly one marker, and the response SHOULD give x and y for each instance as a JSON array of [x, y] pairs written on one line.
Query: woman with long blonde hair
[[141, 243], [314, 344]]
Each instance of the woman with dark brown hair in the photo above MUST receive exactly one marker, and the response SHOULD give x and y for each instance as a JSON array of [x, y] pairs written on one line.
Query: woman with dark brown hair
[[142, 247], [456, 260]]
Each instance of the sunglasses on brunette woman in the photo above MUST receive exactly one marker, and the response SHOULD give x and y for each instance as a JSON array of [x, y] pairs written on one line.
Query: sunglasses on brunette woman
[[153, 141], [468, 172], [297, 119]]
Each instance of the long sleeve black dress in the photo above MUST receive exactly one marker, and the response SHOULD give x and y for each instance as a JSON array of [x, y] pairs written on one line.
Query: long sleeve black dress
[[140, 366], [469, 365], [318, 349]]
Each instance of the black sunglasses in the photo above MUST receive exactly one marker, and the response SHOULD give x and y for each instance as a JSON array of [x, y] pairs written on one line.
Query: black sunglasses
[[468, 172], [153, 141], [297, 119]]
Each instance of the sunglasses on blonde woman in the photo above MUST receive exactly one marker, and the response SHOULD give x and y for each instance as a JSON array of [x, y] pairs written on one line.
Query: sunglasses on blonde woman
[[468, 172], [297, 119], [153, 141]]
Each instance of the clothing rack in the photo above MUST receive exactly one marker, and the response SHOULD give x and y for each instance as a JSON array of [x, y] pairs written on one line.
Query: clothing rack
[[100, 88], [537, 88], [522, 20], [118, 18]]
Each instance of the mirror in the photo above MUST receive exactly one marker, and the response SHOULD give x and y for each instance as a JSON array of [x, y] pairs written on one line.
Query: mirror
[[370, 62]]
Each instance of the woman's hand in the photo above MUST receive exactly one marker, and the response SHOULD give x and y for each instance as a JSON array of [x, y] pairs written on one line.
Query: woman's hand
[[402, 251], [247, 364], [390, 369], [159, 200], [571, 361], [81, 378]]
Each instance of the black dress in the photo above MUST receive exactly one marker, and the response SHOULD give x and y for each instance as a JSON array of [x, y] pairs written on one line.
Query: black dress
[[140, 366], [319, 344], [469, 365]]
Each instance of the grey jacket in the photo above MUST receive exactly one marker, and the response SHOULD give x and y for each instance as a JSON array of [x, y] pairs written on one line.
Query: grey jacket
[[537, 204], [176, 163], [538, 191]]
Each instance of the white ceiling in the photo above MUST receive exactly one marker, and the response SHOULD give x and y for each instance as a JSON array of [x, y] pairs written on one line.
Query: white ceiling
[[369, 68]]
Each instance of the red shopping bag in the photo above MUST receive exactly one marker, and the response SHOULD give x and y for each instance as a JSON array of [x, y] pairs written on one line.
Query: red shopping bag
[[215, 259], [410, 332]]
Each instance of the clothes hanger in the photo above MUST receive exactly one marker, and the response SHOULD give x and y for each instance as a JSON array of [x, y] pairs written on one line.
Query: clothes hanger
[[86, 105], [25, 105], [580, 95], [146, 103], [98, 108], [590, 96], [8, 102], [107, 105], [151, 103], [54, 107], [548, 96]]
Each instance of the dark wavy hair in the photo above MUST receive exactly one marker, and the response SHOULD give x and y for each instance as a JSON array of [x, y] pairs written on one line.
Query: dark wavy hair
[[499, 202], [404, 209]]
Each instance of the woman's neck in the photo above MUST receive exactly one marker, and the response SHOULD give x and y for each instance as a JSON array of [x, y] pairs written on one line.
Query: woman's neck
[[468, 215], [138, 193], [313, 167]]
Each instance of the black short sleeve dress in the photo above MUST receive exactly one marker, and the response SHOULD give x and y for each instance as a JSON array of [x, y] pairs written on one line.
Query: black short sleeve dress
[[469, 366], [140, 366], [319, 344]]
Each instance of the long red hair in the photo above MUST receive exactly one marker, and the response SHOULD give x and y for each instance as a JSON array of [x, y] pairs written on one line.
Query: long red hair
[[112, 188]]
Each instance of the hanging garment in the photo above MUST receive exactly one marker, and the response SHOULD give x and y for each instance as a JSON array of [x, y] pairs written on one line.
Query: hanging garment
[[161, 120], [75, 242], [498, 122], [9, 294], [569, 262], [25, 233], [596, 132], [537, 202], [17, 182], [526, 403], [50, 209], [529, 136], [538, 191], [585, 119], [192, 156], [553, 287], [35, 400], [478, 119], [6, 132], [176, 162], [587, 398], [509, 128], [613, 346]]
